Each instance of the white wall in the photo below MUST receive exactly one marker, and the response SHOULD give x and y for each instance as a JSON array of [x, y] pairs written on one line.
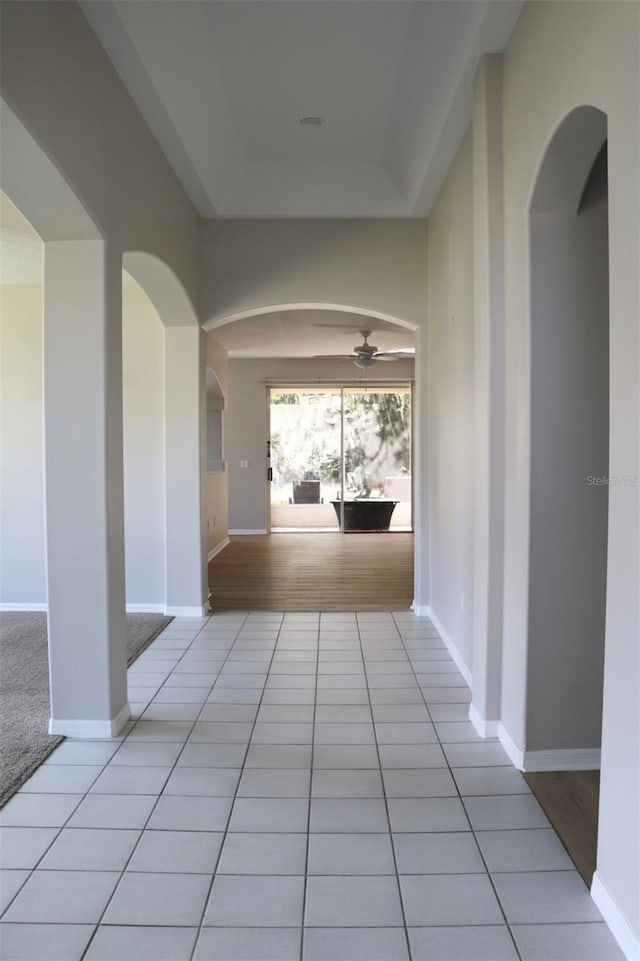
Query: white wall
[[143, 436], [451, 404], [247, 425], [22, 569], [372, 265]]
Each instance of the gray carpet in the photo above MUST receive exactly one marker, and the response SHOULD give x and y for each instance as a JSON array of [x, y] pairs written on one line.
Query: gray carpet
[[24, 690]]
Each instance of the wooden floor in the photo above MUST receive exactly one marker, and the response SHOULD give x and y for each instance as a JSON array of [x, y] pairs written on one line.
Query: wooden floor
[[570, 801], [314, 572]]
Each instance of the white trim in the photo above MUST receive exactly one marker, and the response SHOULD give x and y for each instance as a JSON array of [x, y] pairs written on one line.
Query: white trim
[[145, 608], [581, 759], [219, 547], [201, 611], [90, 730], [237, 532], [516, 756], [483, 727], [21, 606], [451, 647], [420, 610], [616, 921]]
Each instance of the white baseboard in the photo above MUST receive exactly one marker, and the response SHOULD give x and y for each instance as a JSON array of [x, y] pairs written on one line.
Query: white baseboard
[[616, 921], [237, 532], [483, 727], [201, 611], [580, 759], [420, 610], [219, 547], [449, 644], [22, 606], [145, 608], [516, 755], [90, 730]]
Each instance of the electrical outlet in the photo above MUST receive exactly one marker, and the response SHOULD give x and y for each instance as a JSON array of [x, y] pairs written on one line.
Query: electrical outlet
[[244, 464]]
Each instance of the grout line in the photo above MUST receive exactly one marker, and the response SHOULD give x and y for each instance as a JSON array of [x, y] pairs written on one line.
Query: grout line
[[386, 801], [473, 833], [155, 804], [311, 770], [235, 796]]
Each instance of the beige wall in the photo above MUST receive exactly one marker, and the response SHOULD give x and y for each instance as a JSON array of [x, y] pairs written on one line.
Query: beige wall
[[143, 436], [451, 403], [247, 425], [217, 483], [374, 266], [22, 570]]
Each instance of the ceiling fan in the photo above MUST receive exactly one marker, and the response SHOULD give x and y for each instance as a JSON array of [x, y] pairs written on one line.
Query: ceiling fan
[[366, 355]]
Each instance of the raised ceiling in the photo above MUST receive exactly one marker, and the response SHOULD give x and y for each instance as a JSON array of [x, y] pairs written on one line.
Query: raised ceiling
[[223, 85]]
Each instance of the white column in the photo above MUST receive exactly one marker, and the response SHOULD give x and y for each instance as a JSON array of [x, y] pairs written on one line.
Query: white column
[[83, 489], [488, 245], [187, 590]]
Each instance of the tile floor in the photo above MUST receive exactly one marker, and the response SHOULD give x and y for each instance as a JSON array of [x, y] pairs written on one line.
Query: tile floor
[[296, 786]]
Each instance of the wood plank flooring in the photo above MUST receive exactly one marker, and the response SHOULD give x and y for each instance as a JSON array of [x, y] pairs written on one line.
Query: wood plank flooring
[[570, 801], [314, 572]]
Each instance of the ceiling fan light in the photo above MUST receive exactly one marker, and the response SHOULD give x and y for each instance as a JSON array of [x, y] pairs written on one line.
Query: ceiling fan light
[[364, 360]]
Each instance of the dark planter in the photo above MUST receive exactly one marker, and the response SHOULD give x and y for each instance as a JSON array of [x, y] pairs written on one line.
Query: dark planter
[[365, 515]]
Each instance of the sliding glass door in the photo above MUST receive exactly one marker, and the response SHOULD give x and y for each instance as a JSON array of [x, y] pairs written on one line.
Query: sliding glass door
[[340, 458], [306, 458]]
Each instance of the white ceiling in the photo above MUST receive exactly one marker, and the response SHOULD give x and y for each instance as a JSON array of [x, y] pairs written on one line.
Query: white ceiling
[[224, 83]]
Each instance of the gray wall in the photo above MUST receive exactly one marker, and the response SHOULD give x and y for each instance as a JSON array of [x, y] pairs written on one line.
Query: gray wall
[[372, 265], [569, 450], [450, 403]]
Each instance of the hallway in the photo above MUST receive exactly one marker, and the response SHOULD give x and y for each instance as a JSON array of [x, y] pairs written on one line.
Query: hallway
[[289, 767]]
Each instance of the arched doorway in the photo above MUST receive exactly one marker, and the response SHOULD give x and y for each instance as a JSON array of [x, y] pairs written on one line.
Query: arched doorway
[[569, 452], [180, 393]]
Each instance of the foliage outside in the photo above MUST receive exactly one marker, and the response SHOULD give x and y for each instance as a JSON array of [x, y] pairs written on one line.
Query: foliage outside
[[305, 441]]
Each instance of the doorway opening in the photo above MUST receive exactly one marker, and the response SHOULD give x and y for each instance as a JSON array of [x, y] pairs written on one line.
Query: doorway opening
[[569, 471], [339, 458]]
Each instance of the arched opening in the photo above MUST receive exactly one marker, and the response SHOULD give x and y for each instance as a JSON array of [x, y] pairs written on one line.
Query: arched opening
[[164, 441], [305, 350], [569, 451], [75, 381]]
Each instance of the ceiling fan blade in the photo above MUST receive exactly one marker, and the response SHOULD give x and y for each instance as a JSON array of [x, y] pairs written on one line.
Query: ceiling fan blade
[[400, 352], [377, 357], [334, 356]]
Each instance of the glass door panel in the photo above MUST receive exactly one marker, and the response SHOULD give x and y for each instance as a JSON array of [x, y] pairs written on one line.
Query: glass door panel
[[306, 458], [377, 459]]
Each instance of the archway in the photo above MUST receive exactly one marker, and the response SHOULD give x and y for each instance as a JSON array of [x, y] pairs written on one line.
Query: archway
[[569, 449], [81, 398], [178, 417], [277, 368]]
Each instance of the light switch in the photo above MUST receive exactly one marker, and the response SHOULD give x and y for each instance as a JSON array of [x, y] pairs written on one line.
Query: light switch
[[244, 464]]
